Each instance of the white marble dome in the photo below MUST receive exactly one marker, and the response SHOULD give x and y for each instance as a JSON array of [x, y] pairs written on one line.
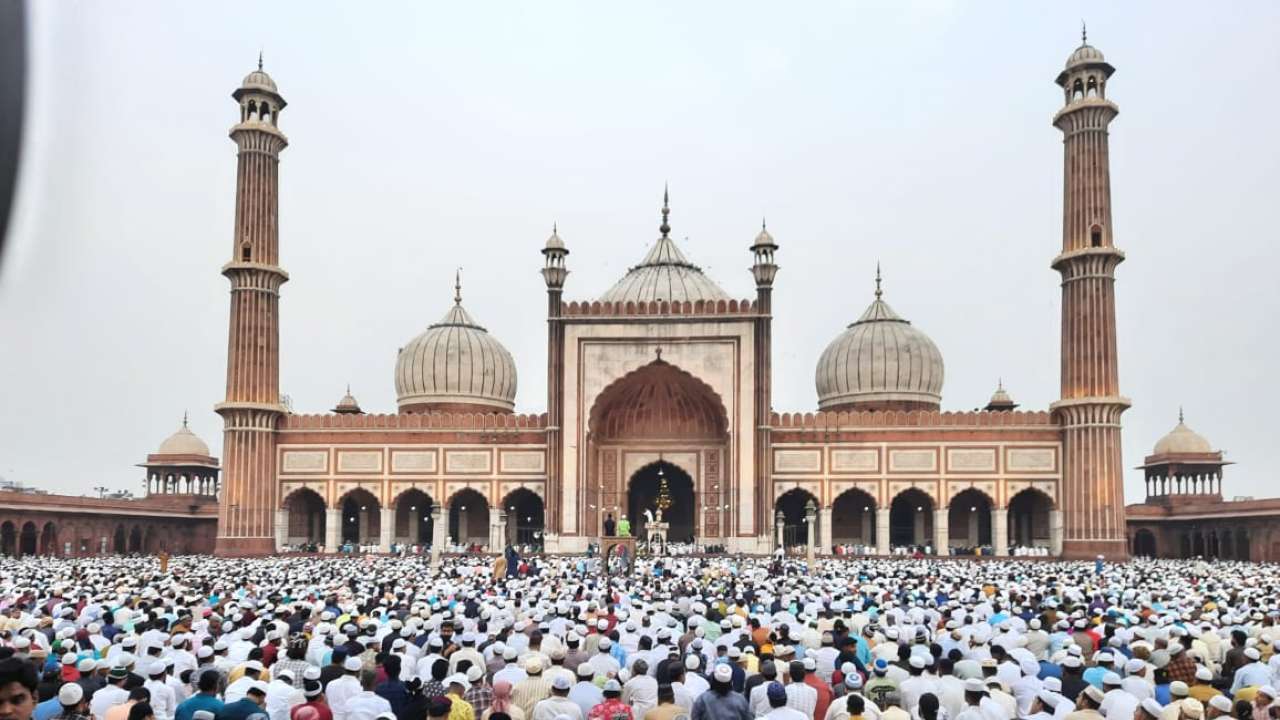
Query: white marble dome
[[880, 362], [455, 365], [1083, 55], [664, 274], [183, 442], [1182, 439]]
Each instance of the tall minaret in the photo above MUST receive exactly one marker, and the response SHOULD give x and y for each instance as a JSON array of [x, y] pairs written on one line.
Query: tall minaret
[[763, 271], [554, 273], [250, 495], [1092, 493]]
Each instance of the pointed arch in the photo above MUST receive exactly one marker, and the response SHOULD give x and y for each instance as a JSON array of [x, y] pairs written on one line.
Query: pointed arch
[[658, 401]]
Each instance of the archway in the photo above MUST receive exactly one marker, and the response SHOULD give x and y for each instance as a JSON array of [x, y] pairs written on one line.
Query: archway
[[1029, 519], [969, 522], [1228, 551], [150, 541], [49, 539], [661, 407], [361, 518], [469, 518], [413, 518], [1197, 545], [795, 525], [853, 519], [1144, 543], [1184, 546], [643, 493], [525, 517], [305, 526], [118, 542], [135, 539], [8, 539], [911, 519], [27, 540], [1242, 545]]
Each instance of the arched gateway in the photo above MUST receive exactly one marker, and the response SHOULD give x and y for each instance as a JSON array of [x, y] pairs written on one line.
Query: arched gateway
[[658, 438]]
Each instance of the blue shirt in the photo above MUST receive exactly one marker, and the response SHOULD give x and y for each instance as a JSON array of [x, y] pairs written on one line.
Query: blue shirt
[[47, 709], [188, 707], [239, 710]]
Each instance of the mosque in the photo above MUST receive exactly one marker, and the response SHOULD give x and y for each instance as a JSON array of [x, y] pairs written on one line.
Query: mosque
[[659, 394], [662, 385]]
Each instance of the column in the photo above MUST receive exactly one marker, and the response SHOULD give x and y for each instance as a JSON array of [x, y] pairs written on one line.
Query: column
[[779, 522], [811, 519], [882, 531], [437, 533], [282, 529], [917, 528], [1000, 530], [975, 531], [332, 529], [941, 532], [1055, 532], [386, 528], [495, 529], [415, 517], [362, 525], [824, 531]]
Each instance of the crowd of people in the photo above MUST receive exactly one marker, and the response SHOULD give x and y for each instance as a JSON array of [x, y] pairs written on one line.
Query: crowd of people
[[702, 638]]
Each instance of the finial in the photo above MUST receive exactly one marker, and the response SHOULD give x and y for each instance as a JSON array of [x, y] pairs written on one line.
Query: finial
[[184, 418], [658, 352], [457, 287], [259, 60], [1084, 33], [665, 227], [348, 388], [999, 383], [763, 226], [1179, 414], [879, 292], [555, 228]]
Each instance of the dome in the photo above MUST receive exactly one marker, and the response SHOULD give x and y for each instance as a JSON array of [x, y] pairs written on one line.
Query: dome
[[259, 80], [1084, 55], [455, 365], [880, 362], [1182, 439], [554, 242], [664, 274], [183, 442], [1000, 399], [348, 405]]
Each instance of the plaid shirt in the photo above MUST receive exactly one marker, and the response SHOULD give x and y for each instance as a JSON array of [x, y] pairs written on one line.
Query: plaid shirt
[[480, 696]]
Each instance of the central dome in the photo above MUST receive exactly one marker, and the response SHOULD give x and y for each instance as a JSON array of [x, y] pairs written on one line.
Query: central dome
[[880, 362], [455, 366], [664, 274]]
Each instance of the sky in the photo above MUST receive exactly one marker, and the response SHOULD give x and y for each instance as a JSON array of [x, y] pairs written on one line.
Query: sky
[[426, 137]]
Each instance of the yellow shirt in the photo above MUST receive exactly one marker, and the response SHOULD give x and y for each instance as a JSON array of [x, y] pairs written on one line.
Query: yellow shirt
[[460, 709]]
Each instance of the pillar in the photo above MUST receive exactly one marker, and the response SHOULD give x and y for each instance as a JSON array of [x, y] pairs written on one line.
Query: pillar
[[497, 529], [917, 528], [386, 528], [437, 533], [415, 517], [882, 531], [362, 525], [332, 529], [941, 532], [1055, 532], [282, 529], [1000, 530], [779, 523], [824, 530], [811, 520]]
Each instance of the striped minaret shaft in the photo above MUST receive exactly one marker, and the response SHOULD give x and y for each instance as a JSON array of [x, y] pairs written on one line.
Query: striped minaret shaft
[[1092, 492], [250, 493]]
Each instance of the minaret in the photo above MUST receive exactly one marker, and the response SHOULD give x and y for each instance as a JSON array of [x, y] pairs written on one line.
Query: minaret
[[1092, 493], [763, 271], [554, 274], [250, 495]]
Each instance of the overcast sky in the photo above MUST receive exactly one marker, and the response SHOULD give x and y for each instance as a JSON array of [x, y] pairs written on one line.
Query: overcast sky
[[425, 137]]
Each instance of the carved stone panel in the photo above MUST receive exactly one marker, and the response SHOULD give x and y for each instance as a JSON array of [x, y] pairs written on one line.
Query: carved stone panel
[[974, 460], [359, 461], [797, 460], [413, 461], [1031, 459], [865, 460], [914, 460], [468, 461], [305, 461]]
